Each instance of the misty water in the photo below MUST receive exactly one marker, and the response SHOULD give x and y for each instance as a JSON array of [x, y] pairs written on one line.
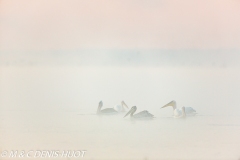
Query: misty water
[[54, 108]]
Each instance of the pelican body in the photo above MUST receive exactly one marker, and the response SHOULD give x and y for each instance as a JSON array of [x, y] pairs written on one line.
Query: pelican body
[[110, 111], [189, 111], [143, 114]]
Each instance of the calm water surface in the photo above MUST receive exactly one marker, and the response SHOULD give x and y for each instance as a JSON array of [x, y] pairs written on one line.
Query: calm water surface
[[54, 109]]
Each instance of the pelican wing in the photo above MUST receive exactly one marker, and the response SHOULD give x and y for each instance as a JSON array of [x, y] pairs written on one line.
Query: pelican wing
[[189, 110], [143, 114]]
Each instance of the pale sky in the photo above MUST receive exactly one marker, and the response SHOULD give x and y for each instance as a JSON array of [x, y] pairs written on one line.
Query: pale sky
[[38, 25]]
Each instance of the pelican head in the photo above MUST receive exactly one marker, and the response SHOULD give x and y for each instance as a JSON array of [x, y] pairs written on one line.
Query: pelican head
[[100, 104], [132, 111], [172, 104]]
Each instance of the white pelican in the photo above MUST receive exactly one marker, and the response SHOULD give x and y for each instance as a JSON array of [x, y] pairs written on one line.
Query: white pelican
[[120, 108], [177, 112], [143, 114], [108, 110]]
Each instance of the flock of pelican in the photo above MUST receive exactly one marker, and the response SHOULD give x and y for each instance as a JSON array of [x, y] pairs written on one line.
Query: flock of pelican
[[177, 113]]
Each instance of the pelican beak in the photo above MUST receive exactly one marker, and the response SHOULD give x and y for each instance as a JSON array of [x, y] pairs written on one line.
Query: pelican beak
[[128, 113], [124, 104], [164, 106], [168, 104]]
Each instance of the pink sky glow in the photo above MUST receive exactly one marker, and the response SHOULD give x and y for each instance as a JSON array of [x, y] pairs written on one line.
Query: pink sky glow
[[28, 25]]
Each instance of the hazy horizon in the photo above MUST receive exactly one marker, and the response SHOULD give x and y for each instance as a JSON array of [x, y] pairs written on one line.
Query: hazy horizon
[[124, 58]]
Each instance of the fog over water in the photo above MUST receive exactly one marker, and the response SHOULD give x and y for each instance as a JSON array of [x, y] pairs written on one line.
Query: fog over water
[[60, 58], [49, 101]]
